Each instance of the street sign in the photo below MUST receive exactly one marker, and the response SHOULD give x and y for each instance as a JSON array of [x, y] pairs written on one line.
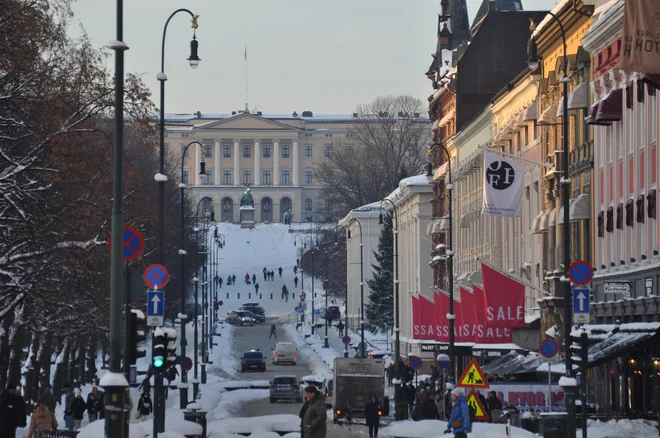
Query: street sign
[[346, 340], [473, 377], [474, 402], [133, 244], [220, 303], [156, 276], [189, 363], [443, 361], [155, 308], [317, 312], [300, 309], [548, 348], [580, 272], [415, 362], [581, 305]]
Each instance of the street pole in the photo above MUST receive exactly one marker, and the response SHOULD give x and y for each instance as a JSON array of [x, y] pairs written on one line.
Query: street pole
[[313, 328], [363, 345], [114, 383], [346, 319], [196, 318], [326, 343]]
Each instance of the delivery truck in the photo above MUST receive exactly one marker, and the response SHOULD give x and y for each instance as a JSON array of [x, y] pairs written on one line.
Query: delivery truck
[[355, 380]]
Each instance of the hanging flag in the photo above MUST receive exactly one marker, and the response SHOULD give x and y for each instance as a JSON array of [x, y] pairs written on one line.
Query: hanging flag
[[441, 307], [427, 318], [470, 320], [487, 334], [641, 21], [505, 299], [416, 318], [503, 184]]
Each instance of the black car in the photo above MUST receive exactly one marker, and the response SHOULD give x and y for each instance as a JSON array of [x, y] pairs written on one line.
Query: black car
[[260, 319], [254, 308], [253, 359]]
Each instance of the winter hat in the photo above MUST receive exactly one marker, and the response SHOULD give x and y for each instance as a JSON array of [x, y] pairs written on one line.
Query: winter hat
[[450, 386], [457, 392]]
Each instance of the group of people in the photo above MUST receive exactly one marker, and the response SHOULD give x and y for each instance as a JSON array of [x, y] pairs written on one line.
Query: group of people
[[269, 275]]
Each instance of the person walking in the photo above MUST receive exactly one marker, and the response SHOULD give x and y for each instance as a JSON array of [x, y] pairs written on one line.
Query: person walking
[[492, 404], [295, 270], [42, 419], [69, 397], [272, 331], [459, 420], [280, 271], [390, 374], [429, 408], [145, 407], [256, 288], [12, 411], [283, 290], [78, 408], [295, 281], [254, 278], [372, 413], [340, 328], [220, 282], [48, 398], [313, 414], [247, 278], [92, 405], [233, 279], [265, 275], [229, 280]]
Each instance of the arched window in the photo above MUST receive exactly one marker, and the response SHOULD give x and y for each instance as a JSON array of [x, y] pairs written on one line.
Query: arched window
[[308, 204]]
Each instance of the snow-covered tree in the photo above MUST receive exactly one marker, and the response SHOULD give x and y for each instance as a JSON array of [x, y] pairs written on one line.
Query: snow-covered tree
[[380, 309]]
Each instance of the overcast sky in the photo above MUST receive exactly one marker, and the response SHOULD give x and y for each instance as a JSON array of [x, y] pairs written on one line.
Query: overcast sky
[[322, 56]]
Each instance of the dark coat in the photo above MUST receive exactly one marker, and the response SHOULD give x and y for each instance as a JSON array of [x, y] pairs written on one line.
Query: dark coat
[[430, 410], [314, 416], [93, 402], [145, 405], [492, 403], [12, 413], [78, 408], [371, 413]]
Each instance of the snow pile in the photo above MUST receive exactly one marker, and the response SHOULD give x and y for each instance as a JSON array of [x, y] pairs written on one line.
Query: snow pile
[[433, 428], [622, 428], [321, 363], [174, 424], [257, 426], [231, 401]]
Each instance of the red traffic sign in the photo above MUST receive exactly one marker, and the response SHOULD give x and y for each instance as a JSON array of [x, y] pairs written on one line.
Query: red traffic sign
[[189, 363], [156, 276], [133, 244], [415, 362], [580, 272], [346, 340], [548, 348]]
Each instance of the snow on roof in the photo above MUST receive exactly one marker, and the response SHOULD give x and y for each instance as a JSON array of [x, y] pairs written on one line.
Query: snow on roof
[[530, 318], [312, 119], [549, 18], [369, 207], [404, 184]]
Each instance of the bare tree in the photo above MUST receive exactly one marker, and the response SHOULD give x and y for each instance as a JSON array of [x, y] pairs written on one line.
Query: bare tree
[[388, 141]]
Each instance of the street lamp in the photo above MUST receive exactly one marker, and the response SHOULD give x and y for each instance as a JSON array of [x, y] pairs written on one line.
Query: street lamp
[[565, 181], [183, 316], [161, 178], [449, 253], [348, 236], [196, 230], [326, 343], [346, 293], [303, 241]]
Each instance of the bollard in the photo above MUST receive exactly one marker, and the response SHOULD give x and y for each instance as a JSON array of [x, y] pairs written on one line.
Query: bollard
[[203, 365], [239, 295], [227, 295], [261, 296], [249, 295], [195, 414], [271, 296]]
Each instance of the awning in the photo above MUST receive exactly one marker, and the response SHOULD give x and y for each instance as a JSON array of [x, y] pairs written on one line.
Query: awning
[[560, 107], [447, 118], [441, 171], [429, 227], [610, 109], [578, 210], [615, 340], [536, 223], [531, 113], [443, 224], [579, 97], [544, 224], [436, 226], [549, 116]]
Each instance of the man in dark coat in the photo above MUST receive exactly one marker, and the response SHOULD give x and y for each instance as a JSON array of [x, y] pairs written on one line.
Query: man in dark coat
[[254, 278], [313, 414], [372, 413], [49, 399], [12, 411], [280, 271], [295, 281], [493, 403]]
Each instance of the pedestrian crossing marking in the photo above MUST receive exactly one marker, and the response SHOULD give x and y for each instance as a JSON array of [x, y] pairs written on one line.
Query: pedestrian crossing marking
[[474, 402], [473, 377]]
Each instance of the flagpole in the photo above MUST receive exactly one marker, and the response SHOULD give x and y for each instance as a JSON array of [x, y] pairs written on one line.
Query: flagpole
[[517, 157], [246, 84], [519, 279]]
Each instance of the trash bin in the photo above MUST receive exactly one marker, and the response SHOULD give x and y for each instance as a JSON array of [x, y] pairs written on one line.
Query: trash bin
[[530, 424], [386, 406], [195, 414], [553, 424]]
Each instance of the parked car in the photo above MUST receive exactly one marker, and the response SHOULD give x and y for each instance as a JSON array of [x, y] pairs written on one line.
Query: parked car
[[256, 316], [328, 392], [236, 319], [285, 388], [318, 381], [253, 359], [254, 308], [285, 352], [333, 313]]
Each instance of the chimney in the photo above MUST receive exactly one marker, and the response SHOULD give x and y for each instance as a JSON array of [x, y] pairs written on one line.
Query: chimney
[[233, 113], [492, 6]]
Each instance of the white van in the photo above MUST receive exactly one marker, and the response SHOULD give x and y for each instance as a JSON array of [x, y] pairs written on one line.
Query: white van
[[285, 352]]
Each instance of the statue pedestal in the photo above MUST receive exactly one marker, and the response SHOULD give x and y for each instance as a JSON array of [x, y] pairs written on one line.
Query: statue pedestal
[[247, 216]]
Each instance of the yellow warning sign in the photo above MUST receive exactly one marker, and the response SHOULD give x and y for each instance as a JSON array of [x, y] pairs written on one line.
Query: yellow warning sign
[[473, 377], [479, 409]]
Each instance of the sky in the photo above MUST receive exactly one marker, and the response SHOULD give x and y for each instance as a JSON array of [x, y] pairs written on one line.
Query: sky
[[323, 56]]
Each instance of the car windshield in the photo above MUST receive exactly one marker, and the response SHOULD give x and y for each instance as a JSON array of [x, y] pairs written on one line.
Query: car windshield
[[253, 355], [284, 381], [313, 382]]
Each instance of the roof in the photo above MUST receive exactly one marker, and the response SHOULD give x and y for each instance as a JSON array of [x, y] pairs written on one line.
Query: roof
[[500, 5], [613, 340], [317, 118]]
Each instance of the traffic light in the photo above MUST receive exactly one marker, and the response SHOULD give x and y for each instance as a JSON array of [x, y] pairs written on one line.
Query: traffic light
[[137, 334], [580, 352], [159, 350], [171, 358]]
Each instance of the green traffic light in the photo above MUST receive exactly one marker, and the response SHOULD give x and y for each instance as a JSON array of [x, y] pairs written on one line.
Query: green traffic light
[[158, 362]]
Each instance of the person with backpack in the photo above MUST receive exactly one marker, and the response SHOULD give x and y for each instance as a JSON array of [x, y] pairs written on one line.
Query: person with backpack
[[145, 406], [460, 420]]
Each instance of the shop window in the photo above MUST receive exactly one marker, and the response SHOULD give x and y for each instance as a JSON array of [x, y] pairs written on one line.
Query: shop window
[[640, 208], [619, 216], [629, 212], [650, 199], [601, 220], [609, 226]]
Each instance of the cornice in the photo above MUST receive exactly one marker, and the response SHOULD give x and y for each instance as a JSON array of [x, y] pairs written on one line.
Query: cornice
[[476, 126], [608, 28]]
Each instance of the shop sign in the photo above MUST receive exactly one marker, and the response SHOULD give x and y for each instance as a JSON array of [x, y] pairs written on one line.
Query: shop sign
[[529, 395], [623, 288]]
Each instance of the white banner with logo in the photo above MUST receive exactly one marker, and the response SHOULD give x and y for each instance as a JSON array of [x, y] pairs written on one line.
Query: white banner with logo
[[503, 184]]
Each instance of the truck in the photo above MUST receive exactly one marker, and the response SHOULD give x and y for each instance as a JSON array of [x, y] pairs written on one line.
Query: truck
[[355, 380]]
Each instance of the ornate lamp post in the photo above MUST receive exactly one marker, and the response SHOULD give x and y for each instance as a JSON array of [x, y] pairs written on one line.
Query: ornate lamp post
[[362, 344]]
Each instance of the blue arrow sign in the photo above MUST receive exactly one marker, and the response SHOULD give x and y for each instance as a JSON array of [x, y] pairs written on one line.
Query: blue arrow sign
[[155, 303], [317, 312], [581, 305]]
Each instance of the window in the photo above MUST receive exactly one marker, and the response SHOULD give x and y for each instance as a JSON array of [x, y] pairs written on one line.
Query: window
[[308, 204], [349, 148], [208, 150], [266, 178], [208, 179], [246, 151], [226, 151], [285, 178], [308, 151], [285, 151], [327, 151], [308, 177], [186, 176], [246, 177], [266, 151], [187, 154], [226, 177]]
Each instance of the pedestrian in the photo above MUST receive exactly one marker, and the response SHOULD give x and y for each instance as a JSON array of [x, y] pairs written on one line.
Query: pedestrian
[[69, 397], [256, 288], [229, 280], [459, 420], [145, 407], [411, 398], [78, 408], [283, 290], [297, 262], [295, 270], [100, 405], [247, 278], [48, 398], [372, 412], [482, 399], [146, 383], [313, 414], [272, 331], [12, 411], [42, 419], [390, 374], [265, 275], [92, 405], [295, 281], [220, 282], [340, 328], [492, 404], [429, 407], [233, 279], [272, 275], [440, 404], [254, 278], [280, 271]]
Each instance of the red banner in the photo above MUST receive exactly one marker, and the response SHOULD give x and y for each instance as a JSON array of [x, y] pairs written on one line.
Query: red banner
[[487, 334], [428, 322], [505, 299], [441, 309], [467, 324], [416, 317]]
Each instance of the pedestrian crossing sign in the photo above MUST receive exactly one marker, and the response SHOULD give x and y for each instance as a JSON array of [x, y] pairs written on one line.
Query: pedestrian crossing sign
[[474, 402], [473, 377]]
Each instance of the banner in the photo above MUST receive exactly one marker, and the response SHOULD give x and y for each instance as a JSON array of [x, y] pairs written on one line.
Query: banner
[[486, 333], [467, 324], [505, 299], [416, 318], [529, 395], [428, 323], [641, 36], [503, 184], [441, 309]]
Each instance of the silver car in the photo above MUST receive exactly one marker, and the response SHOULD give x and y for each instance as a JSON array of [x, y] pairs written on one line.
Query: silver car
[[285, 388]]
